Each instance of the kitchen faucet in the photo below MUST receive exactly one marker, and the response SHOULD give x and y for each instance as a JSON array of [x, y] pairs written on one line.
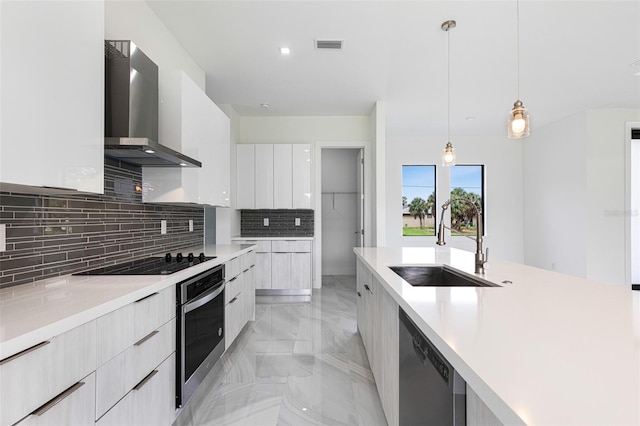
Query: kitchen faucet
[[481, 257]]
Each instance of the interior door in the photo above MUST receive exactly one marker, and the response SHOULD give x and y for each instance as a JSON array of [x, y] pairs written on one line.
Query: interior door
[[360, 185]]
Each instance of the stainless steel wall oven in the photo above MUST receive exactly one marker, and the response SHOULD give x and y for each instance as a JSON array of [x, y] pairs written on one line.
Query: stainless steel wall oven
[[200, 330]]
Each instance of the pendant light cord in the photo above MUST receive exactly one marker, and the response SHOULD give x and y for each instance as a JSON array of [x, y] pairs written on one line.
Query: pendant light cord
[[518, 44], [448, 86]]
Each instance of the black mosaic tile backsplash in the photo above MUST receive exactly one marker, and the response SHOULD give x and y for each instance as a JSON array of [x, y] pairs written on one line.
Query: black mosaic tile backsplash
[[52, 235], [281, 223]]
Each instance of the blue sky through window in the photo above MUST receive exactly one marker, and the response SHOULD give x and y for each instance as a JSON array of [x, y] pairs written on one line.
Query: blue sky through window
[[468, 178], [418, 181]]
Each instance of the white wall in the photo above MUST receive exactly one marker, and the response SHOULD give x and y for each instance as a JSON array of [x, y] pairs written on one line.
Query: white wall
[[575, 178], [555, 196], [134, 20], [503, 189], [339, 210], [606, 193]]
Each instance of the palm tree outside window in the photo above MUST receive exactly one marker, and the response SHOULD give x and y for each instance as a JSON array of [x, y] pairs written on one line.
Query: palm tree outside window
[[418, 200], [467, 181]]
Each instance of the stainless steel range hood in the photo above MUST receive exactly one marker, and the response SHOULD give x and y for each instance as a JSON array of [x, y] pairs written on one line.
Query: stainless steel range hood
[[131, 109]]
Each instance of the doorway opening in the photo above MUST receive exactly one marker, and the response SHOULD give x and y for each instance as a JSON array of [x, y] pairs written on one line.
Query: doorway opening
[[633, 211], [342, 214]]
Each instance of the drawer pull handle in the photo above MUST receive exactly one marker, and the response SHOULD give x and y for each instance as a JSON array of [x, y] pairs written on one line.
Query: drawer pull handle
[[233, 279], [145, 338], [146, 297], [367, 287], [247, 269], [233, 300], [145, 380], [49, 405], [359, 295], [26, 351]]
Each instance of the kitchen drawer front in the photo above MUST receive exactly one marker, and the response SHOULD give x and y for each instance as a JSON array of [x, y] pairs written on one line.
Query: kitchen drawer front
[[120, 375], [74, 406], [247, 260], [232, 268], [262, 246], [232, 288], [233, 319], [151, 402], [31, 378], [120, 329], [291, 246]]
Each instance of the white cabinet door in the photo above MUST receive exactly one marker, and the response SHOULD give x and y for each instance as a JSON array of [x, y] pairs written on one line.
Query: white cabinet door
[[75, 406], [233, 319], [300, 271], [263, 271], [32, 377], [192, 124], [52, 103], [388, 355], [264, 176], [245, 177], [151, 402], [301, 190], [282, 176], [280, 270]]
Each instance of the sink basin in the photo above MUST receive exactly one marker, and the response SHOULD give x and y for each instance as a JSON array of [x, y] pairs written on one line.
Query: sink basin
[[437, 276]]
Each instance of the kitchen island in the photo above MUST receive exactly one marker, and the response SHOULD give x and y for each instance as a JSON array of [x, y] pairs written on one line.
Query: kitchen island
[[543, 348]]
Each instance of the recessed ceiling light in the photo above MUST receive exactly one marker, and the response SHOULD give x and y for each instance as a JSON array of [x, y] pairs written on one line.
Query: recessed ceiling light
[[265, 106], [285, 50], [470, 118]]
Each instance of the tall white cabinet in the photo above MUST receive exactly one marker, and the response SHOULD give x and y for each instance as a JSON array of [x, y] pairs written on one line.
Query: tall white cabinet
[[274, 176], [192, 124], [52, 94]]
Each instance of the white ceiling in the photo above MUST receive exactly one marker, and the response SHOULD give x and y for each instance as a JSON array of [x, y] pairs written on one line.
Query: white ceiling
[[574, 55]]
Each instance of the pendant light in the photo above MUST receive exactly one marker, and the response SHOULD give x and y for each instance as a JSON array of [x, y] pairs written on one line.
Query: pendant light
[[518, 122], [448, 153]]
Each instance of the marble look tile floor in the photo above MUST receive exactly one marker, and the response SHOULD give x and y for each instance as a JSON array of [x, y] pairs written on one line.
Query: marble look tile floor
[[298, 364]]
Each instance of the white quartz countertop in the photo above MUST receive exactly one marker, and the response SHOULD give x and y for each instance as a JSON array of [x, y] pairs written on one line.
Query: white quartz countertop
[[271, 238], [34, 312], [547, 349]]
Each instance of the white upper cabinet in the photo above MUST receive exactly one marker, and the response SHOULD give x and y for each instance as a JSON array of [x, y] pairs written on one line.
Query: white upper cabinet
[[273, 176], [264, 176], [282, 173], [52, 94], [245, 177], [192, 124], [301, 169]]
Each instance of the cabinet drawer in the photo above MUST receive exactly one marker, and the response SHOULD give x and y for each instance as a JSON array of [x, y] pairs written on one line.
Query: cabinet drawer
[[119, 375], [122, 328], [232, 288], [233, 319], [262, 246], [151, 402], [74, 406], [32, 377], [232, 268], [247, 260], [291, 246]]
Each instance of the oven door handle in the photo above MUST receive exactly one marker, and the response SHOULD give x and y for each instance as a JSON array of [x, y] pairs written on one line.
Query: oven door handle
[[204, 298]]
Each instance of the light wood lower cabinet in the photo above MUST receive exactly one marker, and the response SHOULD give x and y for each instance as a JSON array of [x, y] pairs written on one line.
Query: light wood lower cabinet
[[74, 406], [33, 377], [378, 326], [291, 265], [150, 402], [119, 375], [240, 297], [263, 271]]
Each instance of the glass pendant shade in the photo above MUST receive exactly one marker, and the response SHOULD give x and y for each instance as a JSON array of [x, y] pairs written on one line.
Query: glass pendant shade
[[449, 155], [518, 124]]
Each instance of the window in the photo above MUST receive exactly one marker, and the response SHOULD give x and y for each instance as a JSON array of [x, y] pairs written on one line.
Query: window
[[418, 200], [467, 181]]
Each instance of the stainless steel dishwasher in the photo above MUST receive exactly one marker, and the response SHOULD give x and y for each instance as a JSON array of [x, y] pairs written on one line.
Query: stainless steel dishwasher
[[431, 391]]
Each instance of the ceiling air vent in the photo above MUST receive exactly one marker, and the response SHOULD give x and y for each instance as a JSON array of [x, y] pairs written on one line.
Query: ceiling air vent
[[329, 44]]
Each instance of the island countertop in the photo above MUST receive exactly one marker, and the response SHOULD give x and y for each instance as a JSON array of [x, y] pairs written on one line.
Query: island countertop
[[33, 312], [547, 348]]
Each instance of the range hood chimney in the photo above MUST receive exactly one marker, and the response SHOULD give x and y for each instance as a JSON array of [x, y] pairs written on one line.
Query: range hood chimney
[[131, 109]]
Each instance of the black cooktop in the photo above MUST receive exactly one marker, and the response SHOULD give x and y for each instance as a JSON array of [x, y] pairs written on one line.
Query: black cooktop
[[151, 266]]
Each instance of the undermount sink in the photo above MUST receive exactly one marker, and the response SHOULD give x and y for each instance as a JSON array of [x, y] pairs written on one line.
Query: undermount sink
[[437, 276]]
